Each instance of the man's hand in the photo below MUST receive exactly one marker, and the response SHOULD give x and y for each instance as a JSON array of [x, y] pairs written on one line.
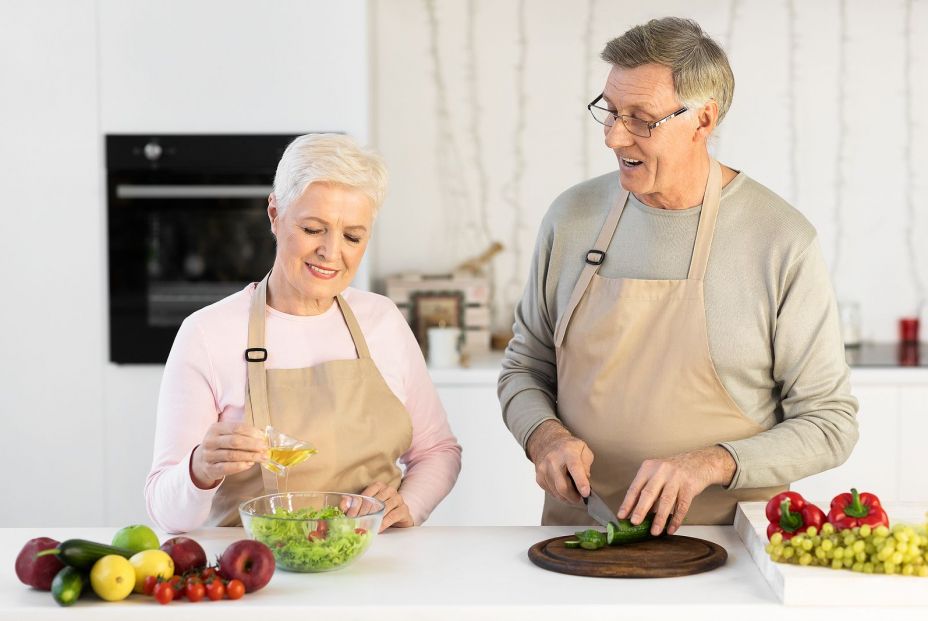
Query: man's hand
[[557, 454], [670, 485]]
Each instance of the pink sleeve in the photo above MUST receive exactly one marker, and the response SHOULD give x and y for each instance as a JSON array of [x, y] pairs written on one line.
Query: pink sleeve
[[186, 409], [433, 460]]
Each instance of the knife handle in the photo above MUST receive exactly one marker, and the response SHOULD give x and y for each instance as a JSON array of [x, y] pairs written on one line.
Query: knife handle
[[586, 499]]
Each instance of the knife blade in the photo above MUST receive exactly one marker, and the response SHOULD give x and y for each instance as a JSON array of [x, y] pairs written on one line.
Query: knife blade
[[597, 509]]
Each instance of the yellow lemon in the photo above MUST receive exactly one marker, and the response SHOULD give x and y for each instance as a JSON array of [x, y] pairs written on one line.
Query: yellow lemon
[[112, 578], [136, 538], [151, 563]]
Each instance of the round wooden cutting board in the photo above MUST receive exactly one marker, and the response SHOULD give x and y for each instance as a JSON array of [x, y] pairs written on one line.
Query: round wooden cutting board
[[665, 557]]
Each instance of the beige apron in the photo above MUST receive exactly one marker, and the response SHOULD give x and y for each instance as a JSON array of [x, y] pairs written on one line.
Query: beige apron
[[344, 408], [635, 378]]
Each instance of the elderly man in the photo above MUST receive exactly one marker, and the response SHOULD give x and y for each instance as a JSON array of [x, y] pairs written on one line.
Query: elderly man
[[677, 347]]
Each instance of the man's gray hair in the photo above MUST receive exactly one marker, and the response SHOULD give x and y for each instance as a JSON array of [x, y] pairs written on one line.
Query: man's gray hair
[[699, 65], [328, 158]]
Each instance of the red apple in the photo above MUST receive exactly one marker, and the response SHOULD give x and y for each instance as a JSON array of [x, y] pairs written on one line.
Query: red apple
[[250, 561], [186, 553], [38, 572]]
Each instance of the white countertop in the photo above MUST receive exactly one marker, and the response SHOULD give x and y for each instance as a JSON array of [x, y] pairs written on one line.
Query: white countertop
[[443, 573]]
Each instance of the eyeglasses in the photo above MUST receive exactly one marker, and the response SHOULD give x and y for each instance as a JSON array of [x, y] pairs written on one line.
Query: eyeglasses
[[635, 126]]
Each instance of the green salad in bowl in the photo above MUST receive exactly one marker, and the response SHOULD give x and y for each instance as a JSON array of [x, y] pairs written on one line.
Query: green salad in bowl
[[313, 531]]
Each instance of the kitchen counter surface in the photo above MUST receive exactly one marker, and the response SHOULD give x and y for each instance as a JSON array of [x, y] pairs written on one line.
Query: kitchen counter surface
[[445, 573], [871, 364], [887, 355]]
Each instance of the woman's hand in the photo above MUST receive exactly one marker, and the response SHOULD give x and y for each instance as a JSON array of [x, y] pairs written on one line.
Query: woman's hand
[[227, 448], [395, 512]]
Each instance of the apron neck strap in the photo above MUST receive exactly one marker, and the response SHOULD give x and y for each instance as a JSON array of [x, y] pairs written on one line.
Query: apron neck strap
[[360, 343], [594, 258], [256, 354], [707, 218], [255, 357]]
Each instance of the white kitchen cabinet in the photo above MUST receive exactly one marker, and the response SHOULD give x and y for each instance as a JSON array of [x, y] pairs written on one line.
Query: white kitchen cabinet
[[875, 463], [496, 486], [913, 440], [497, 483]]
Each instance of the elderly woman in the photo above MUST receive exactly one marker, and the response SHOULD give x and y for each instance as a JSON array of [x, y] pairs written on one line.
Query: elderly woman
[[309, 355]]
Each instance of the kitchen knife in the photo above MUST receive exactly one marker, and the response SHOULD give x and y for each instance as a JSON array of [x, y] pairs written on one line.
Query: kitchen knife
[[597, 509]]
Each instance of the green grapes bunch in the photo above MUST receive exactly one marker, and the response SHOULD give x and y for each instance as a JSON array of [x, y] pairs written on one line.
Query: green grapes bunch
[[902, 549]]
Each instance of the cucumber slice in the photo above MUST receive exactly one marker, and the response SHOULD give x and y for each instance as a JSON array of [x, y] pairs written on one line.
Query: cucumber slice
[[572, 543]]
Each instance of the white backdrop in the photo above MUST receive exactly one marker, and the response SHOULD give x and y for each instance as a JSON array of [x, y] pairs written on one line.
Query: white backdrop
[[478, 106], [480, 111]]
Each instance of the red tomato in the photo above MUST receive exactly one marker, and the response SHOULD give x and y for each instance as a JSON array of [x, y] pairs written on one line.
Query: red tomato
[[177, 583], [195, 591], [164, 593], [360, 531], [207, 573], [215, 590], [235, 589], [148, 586]]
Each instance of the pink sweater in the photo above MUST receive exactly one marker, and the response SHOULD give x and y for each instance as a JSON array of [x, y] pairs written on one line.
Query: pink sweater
[[205, 381]]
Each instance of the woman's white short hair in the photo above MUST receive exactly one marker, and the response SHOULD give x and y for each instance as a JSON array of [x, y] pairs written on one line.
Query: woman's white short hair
[[328, 158]]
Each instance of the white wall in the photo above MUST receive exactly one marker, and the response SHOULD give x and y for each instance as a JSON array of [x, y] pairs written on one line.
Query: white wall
[[51, 266], [78, 430], [480, 112]]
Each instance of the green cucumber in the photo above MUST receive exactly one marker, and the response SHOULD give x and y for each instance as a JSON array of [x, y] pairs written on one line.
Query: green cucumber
[[67, 585], [623, 531], [82, 554], [572, 543]]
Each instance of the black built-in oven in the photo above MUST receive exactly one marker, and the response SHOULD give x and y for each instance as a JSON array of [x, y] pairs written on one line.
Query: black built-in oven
[[187, 226]]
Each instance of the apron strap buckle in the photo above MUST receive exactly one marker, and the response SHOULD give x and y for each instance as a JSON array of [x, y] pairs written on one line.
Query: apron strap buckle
[[595, 257], [260, 354]]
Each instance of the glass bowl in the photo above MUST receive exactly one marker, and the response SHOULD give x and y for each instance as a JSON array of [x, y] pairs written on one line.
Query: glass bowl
[[299, 528]]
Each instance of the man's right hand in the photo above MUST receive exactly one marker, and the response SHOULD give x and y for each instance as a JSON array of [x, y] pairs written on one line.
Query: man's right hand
[[559, 457]]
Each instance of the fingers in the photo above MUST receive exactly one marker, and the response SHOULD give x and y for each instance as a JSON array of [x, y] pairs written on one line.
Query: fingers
[[365, 507], [664, 507], [631, 496], [396, 513], [667, 487], [234, 436], [684, 500], [564, 470]]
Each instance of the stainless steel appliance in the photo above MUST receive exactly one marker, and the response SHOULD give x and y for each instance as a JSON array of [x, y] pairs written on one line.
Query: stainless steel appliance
[[187, 226]]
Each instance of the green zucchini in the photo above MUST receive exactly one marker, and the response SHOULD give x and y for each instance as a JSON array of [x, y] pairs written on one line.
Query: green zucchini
[[82, 554], [67, 585], [623, 531]]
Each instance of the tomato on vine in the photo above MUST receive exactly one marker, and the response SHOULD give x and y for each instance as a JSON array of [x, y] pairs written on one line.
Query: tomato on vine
[[215, 589], [148, 586], [195, 591], [164, 592], [235, 589]]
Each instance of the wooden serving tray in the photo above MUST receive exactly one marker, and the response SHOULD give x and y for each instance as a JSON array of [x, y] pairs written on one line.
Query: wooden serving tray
[[665, 557]]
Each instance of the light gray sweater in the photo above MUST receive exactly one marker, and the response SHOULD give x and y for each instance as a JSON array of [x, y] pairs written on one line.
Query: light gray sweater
[[772, 321]]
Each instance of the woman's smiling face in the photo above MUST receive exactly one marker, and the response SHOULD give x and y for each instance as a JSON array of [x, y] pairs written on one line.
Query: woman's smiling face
[[321, 239]]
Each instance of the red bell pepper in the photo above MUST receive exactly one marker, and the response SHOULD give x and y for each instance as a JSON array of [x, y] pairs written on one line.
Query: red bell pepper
[[850, 510], [790, 514]]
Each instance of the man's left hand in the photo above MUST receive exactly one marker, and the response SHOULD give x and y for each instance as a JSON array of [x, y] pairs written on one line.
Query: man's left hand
[[670, 485]]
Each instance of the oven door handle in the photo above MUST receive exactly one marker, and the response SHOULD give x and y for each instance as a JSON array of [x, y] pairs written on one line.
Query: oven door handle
[[192, 191]]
